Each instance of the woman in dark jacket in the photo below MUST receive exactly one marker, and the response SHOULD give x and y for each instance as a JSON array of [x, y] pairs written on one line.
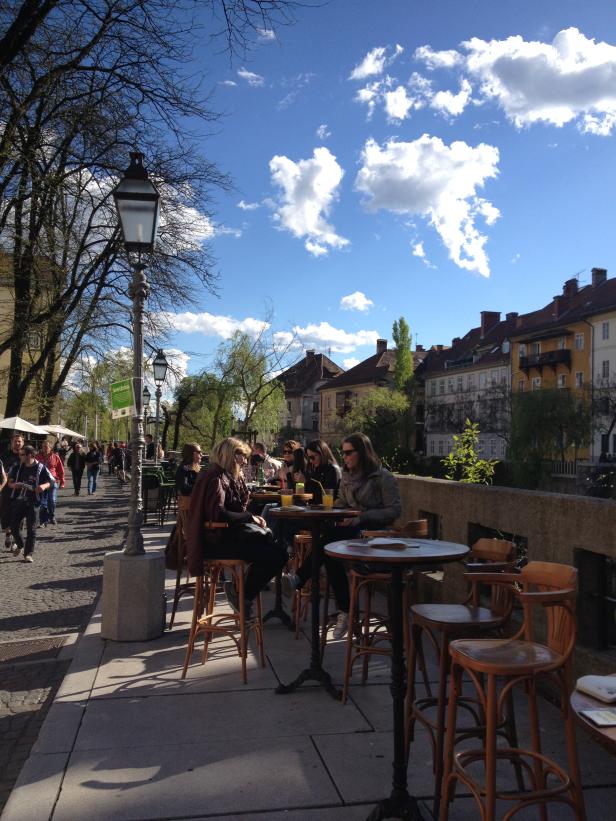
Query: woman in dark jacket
[[367, 487], [220, 495], [76, 462], [322, 470]]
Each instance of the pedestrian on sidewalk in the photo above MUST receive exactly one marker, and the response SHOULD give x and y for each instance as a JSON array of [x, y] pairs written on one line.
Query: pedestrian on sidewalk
[[9, 458], [77, 463], [93, 466], [55, 466], [29, 482]]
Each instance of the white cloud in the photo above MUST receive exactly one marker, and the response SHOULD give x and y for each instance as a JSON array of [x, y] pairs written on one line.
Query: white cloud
[[225, 230], [251, 78], [268, 35], [418, 250], [323, 336], [350, 362], [212, 325], [439, 182], [228, 83], [323, 131], [309, 188], [357, 301], [373, 93], [248, 206], [398, 103], [450, 103], [571, 78], [437, 59], [374, 62]]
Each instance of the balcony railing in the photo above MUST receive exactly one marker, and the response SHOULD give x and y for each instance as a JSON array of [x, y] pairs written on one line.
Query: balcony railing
[[549, 358]]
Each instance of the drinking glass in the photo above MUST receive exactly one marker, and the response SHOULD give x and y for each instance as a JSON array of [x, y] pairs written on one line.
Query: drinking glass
[[286, 499], [328, 497]]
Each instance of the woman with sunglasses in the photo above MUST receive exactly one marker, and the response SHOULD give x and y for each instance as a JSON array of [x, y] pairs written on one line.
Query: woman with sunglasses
[[365, 486], [322, 470], [285, 474], [220, 494]]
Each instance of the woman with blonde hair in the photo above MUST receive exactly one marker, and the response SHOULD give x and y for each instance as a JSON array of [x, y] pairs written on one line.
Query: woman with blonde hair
[[220, 495]]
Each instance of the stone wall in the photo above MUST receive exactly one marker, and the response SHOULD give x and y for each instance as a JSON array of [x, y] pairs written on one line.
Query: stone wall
[[554, 524]]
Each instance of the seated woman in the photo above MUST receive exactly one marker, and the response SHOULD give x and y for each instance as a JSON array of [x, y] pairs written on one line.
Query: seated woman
[[185, 478], [285, 474], [367, 487], [220, 495], [322, 471]]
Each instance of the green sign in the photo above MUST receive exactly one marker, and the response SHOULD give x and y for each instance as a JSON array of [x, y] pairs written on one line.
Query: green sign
[[122, 399]]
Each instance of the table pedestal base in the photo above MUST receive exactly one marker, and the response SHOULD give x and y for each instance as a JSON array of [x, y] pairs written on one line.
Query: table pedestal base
[[397, 806], [317, 674], [278, 611]]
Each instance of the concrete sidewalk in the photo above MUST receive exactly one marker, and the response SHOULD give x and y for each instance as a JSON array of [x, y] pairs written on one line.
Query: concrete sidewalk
[[127, 740]]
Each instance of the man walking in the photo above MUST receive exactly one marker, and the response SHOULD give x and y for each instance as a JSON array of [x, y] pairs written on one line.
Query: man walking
[[10, 458], [55, 466], [28, 481], [77, 463]]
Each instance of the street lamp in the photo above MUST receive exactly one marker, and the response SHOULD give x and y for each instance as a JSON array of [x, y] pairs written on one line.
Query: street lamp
[[146, 396], [159, 366], [133, 581]]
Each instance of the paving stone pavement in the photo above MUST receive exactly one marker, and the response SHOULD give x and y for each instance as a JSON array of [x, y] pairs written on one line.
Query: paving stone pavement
[[54, 597]]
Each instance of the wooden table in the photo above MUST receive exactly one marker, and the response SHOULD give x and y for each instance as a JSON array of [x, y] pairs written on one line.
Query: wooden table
[[414, 553], [277, 611], [313, 518], [606, 736]]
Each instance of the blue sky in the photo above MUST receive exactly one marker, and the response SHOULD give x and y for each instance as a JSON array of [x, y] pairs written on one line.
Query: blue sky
[[423, 158]]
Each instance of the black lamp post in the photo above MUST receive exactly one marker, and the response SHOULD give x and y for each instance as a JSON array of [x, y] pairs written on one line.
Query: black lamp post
[[159, 366], [137, 201]]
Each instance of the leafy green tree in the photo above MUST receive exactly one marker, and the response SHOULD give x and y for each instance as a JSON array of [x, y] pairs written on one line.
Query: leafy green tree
[[378, 414], [546, 424], [463, 463], [403, 372]]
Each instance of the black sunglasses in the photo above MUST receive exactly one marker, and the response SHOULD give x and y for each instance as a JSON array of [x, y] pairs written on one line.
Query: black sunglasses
[[348, 452]]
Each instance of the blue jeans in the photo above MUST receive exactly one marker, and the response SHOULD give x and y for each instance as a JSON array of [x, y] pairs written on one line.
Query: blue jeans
[[92, 477], [49, 513]]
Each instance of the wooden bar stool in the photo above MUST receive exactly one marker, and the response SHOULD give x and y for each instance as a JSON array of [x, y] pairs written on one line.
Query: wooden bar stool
[[369, 632], [187, 587], [443, 622], [519, 660], [227, 624], [302, 547]]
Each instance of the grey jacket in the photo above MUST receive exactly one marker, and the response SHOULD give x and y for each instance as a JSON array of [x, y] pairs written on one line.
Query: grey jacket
[[378, 497]]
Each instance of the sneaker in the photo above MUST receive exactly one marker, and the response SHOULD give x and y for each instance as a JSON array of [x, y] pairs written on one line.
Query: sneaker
[[290, 584], [8, 542], [342, 625], [28, 559], [53, 521], [16, 551], [234, 600]]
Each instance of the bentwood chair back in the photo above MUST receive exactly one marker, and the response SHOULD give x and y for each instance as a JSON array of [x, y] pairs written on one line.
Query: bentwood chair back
[[519, 661]]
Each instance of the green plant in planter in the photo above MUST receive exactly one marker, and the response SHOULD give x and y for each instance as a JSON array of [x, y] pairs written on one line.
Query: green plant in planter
[[463, 463]]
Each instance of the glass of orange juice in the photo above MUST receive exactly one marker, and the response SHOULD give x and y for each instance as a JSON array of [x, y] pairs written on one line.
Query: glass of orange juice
[[286, 499], [328, 497]]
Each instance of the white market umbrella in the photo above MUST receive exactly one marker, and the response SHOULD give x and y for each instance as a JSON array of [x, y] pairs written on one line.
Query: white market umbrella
[[60, 430], [17, 423]]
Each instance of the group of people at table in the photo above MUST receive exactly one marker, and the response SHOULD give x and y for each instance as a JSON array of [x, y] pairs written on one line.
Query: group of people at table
[[220, 494]]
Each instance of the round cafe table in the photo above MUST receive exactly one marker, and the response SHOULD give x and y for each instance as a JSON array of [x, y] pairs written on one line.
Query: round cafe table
[[313, 518], [400, 555], [605, 736]]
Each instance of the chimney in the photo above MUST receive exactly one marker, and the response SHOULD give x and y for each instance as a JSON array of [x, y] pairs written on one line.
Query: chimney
[[439, 348], [511, 316], [488, 320], [419, 348], [559, 306], [381, 345], [309, 354], [599, 275], [455, 341], [570, 288]]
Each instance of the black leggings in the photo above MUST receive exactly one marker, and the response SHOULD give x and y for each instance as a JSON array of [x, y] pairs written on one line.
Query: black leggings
[[336, 570], [265, 559]]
